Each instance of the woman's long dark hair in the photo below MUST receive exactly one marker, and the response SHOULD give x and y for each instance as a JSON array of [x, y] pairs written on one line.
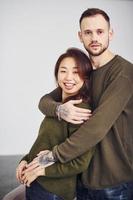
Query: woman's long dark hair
[[84, 70]]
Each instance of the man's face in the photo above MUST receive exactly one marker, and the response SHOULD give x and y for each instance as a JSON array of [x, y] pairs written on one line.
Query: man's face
[[95, 34]]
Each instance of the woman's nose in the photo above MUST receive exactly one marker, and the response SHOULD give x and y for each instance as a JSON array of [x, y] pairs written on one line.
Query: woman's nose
[[68, 76]]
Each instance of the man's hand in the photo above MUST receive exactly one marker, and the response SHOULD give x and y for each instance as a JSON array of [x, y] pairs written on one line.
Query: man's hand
[[73, 114]]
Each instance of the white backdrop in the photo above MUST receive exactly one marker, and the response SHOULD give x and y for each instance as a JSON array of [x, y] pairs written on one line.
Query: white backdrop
[[33, 33]]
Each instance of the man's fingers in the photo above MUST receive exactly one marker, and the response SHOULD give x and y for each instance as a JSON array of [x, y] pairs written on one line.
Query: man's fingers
[[81, 115], [32, 162], [78, 119], [82, 110], [76, 122], [31, 167], [75, 101]]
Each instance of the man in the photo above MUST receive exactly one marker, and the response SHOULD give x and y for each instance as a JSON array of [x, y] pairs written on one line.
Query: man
[[110, 128]]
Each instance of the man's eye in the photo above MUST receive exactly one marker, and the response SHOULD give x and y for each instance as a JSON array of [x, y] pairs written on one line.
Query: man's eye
[[87, 32], [100, 32]]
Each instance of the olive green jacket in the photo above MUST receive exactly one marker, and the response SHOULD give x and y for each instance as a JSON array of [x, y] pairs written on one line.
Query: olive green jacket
[[60, 178]]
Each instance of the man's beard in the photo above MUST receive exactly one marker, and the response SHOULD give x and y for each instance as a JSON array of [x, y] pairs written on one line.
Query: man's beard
[[91, 53]]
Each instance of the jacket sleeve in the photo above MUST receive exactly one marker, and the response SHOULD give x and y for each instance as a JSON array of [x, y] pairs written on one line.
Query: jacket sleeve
[[26, 158], [112, 103]]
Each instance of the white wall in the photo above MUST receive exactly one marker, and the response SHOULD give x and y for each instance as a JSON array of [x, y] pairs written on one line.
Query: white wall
[[33, 33]]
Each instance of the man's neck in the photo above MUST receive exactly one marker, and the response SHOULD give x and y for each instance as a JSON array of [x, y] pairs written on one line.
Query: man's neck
[[101, 60]]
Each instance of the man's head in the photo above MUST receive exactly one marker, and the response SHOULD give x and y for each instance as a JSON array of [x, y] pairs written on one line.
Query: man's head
[[95, 32]]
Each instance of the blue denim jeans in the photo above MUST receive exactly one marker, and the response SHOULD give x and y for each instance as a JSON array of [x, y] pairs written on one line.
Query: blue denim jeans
[[121, 192], [37, 192]]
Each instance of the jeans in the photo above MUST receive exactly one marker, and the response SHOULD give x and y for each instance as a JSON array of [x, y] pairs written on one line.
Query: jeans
[[37, 192], [120, 192]]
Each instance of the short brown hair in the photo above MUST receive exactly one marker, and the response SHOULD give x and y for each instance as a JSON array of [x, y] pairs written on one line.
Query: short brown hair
[[92, 12]]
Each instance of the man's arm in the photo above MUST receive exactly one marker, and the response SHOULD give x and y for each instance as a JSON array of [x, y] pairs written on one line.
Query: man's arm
[[74, 166], [70, 168], [49, 103], [111, 105]]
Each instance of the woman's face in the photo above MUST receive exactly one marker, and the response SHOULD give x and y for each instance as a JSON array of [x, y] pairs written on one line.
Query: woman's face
[[68, 77]]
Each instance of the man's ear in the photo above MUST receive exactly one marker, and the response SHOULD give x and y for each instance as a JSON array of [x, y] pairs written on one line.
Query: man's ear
[[80, 36], [111, 34]]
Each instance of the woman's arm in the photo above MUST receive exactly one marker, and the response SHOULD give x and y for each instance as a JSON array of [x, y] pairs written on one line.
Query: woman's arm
[[73, 167]]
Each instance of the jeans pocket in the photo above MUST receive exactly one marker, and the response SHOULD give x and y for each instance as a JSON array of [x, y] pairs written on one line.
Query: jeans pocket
[[117, 193]]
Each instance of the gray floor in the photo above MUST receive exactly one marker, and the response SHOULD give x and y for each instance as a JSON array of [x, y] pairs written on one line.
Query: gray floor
[[7, 173]]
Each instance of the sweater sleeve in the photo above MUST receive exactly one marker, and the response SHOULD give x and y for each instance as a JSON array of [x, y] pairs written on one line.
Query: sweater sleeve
[[73, 167], [112, 102], [26, 158], [70, 168], [49, 102]]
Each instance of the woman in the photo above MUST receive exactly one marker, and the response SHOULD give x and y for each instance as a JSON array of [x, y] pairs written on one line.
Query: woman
[[58, 181]]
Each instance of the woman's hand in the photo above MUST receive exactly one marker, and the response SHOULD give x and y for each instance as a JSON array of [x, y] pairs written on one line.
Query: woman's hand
[[20, 170], [30, 175]]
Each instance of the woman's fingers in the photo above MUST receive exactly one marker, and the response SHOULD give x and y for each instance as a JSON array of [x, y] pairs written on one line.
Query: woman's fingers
[[21, 167], [32, 166]]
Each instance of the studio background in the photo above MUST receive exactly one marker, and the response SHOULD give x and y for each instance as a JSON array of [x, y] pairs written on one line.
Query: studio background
[[33, 33]]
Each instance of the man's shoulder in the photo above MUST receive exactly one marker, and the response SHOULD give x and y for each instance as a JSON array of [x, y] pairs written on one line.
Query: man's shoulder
[[124, 68], [121, 66], [124, 62]]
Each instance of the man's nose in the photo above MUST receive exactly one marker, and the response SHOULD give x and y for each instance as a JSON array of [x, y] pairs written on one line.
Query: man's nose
[[94, 37]]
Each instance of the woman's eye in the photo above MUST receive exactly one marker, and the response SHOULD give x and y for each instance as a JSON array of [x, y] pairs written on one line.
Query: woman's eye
[[62, 71], [75, 72]]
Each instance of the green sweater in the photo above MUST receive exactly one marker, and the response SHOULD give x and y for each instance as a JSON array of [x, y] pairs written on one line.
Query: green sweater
[[60, 178], [110, 128]]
